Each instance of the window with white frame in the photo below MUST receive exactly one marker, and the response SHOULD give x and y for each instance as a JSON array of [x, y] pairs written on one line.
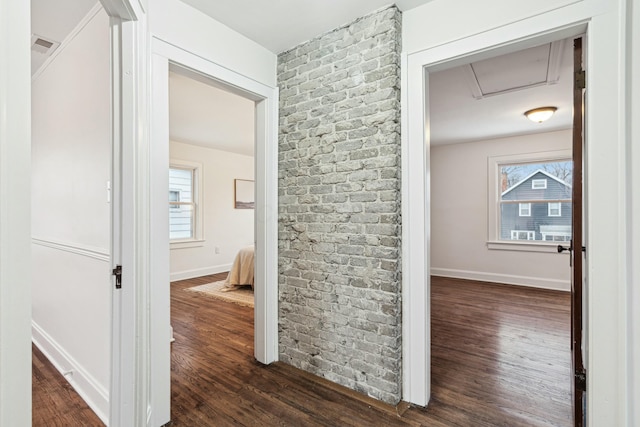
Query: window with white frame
[[555, 209], [531, 198], [555, 233], [523, 235], [524, 209], [184, 202], [538, 184]]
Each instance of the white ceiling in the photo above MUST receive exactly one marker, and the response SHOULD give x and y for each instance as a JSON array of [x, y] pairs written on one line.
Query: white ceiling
[[457, 116], [54, 20], [204, 115], [280, 25]]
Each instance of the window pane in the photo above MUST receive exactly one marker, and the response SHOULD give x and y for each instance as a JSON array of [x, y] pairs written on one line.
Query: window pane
[[538, 226], [536, 181], [181, 222], [525, 209], [539, 184], [555, 209], [181, 181], [181, 216], [535, 201]]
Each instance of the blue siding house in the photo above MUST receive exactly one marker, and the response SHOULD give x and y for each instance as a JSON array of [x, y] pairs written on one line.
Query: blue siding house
[[536, 208]]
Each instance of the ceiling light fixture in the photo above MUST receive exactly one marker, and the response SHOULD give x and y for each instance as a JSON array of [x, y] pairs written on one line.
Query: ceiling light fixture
[[541, 114]]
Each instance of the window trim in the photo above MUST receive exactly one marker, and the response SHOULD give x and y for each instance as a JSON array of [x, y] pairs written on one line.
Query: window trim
[[531, 234], [559, 209], [537, 181], [493, 199], [198, 202], [528, 210]]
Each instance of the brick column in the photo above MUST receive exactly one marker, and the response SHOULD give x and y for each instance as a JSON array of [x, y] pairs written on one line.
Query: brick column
[[339, 204]]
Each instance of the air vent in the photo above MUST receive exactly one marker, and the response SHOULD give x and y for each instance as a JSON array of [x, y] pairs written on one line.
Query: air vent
[[42, 45]]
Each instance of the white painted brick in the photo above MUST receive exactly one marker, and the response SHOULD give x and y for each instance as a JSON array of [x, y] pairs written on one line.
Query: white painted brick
[[339, 217]]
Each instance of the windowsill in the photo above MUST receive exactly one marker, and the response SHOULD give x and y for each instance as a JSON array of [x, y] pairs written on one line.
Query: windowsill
[[524, 246], [183, 244]]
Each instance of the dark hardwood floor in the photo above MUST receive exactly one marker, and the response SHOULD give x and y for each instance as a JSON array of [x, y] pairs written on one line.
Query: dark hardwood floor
[[500, 357], [55, 402]]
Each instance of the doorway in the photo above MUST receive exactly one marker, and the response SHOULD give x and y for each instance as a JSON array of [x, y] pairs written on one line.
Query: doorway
[[211, 208], [491, 225], [167, 57], [417, 198]]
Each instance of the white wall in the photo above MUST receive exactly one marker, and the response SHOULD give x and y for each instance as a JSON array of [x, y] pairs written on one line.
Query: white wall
[[71, 164], [181, 25], [633, 159], [15, 262], [225, 228], [459, 197], [429, 25]]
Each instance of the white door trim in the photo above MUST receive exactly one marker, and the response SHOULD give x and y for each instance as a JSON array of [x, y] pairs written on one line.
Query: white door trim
[[15, 214], [128, 394], [266, 178], [164, 57], [416, 221], [416, 207], [606, 400]]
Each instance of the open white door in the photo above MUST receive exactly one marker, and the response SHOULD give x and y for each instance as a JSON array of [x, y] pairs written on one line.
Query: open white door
[[128, 391]]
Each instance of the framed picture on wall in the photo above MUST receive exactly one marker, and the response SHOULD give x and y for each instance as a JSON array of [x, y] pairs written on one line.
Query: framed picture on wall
[[243, 194]]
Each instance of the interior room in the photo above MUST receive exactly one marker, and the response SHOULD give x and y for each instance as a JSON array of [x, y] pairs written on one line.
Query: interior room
[[211, 225], [477, 121], [212, 135], [411, 222], [513, 285]]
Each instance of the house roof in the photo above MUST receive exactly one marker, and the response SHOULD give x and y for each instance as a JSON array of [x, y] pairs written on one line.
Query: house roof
[[532, 174]]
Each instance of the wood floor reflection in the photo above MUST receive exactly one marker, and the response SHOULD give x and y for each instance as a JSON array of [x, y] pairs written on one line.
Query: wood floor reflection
[[500, 357]]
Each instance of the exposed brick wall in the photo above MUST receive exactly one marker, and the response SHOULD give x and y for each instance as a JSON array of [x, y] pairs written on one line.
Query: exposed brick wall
[[339, 204]]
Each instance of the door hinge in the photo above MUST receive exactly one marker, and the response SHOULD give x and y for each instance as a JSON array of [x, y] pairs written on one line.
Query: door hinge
[[581, 79], [118, 273], [581, 380]]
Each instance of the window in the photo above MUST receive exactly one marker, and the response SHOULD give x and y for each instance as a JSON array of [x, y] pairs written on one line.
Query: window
[[523, 235], [530, 199], [555, 209], [174, 196], [184, 202], [555, 233], [525, 209], [538, 184]]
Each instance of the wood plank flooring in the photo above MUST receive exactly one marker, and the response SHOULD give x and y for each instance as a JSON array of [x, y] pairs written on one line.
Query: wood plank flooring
[[55, 402], [500, 357]]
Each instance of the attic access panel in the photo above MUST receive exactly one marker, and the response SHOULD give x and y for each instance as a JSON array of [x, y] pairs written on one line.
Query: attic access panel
[[518, 70]]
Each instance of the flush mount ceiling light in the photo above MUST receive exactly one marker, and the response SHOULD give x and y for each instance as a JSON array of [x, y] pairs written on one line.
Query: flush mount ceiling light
[[541, 114]]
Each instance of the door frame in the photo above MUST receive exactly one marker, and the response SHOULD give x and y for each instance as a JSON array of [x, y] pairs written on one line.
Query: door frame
[[166, 56], [604, 313], [15, 214], [416, 191], [140, 380], [163, 57], [128, 391]]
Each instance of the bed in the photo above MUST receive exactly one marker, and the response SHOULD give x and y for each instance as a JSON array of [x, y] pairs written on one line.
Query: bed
[[241, 273]]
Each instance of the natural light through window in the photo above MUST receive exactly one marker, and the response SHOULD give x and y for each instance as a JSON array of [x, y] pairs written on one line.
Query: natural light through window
[[535, 201], [181, 204]]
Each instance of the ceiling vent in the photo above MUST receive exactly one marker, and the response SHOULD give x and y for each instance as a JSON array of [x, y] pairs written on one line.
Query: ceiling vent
[[528, 68], [42, 45]]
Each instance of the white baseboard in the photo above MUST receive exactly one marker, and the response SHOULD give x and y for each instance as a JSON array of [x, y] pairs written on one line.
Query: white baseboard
[[94, 394], [198, 272], [534, 282]]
